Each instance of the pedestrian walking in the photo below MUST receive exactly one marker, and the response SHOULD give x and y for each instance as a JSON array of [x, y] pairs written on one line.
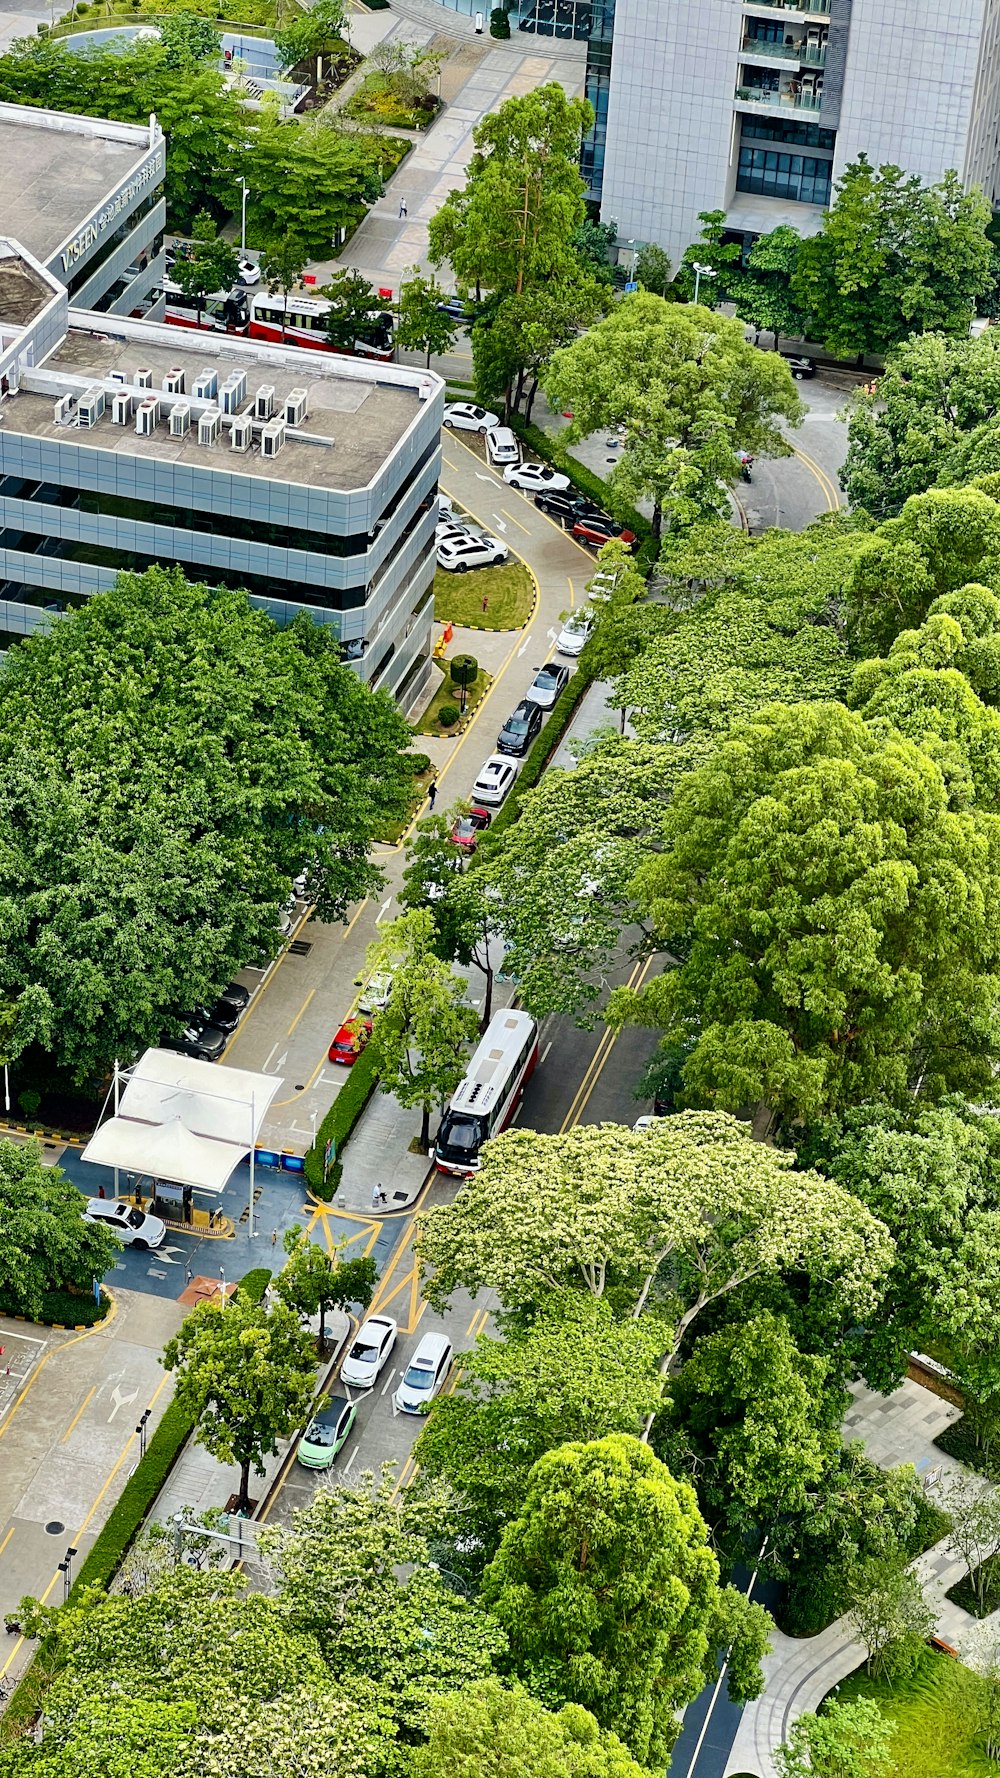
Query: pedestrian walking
[[402, 207], [432, 796], [100, 1191]]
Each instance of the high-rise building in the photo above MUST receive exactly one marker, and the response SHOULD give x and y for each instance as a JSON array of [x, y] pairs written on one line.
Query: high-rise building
[[755, 107]]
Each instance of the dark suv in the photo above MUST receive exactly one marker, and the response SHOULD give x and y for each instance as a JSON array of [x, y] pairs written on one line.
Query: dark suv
[[566, 506], [520, 729]]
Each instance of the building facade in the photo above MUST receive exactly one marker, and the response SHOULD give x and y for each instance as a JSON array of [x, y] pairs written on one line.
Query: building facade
[[755, 107]]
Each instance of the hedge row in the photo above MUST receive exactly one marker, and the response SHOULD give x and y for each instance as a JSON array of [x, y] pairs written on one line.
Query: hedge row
[[537, 758], [61, 1308], [547, 446], [339, 1122]]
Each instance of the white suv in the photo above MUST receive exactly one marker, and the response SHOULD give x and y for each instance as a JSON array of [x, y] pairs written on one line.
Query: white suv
[[425, 1373], [502, 447], [133, 1226], [457, 554]]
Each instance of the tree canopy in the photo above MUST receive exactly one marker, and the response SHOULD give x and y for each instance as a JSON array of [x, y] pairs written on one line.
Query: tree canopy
[[941, 541], [490, 1731], [45, 1241]]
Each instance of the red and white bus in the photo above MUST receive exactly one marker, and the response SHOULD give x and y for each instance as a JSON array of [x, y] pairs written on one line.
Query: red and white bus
[[219, 313], [301, 321], [488, 1097]]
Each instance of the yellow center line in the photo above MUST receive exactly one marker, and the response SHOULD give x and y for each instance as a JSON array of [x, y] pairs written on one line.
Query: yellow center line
[[514, 521], [255, 1002], [85, 1402], [827, 486], [98, 1327], [599, 1060], [301, 1010], [6, 1540], [546, 517], [572, 594]]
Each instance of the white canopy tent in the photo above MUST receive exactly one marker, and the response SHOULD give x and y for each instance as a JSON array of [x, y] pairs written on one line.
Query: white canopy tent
[[184, 1121]]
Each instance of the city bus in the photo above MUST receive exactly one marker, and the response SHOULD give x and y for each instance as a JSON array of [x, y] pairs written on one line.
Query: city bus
[[487, 1098], [301, 321], [219, 313]]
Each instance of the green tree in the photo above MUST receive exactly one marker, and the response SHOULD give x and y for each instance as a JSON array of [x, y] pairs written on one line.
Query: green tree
[[312, 1281], [857, 1517], [423, 325], [848, 1741], [492, 1730], [680, 1215], [890, 1615], [762, 290], [243, 754], [610, 1594], [833, 917], [652, 269], [307, 33], [418, 1042], [593, 244], [188, 39], [45, 1241], [933, 396], [974, 1512], [711, 249], [307, 1731], [515, 336], [313, 179], [459, 904], [211, 264], [512, 224], [353, 302], [941, 541], [574, 1371], [281, 266], [248, 1375], [980, 1652], [690, 392], [893, 257]]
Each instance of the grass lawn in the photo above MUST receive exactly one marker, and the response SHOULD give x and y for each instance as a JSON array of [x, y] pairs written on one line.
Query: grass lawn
[[933, 1715], [449, 693], [508, 590], [376, 99]]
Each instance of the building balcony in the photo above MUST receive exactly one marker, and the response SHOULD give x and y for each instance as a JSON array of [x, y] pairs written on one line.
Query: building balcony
[[778, 98], [803, 6], [807, 55]]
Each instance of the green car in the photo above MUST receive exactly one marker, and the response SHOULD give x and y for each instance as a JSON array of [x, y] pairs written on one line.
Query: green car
[[327, 1433]]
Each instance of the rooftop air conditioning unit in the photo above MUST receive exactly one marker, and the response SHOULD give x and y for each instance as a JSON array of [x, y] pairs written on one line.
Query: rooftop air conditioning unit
[[65, 408], [241, 435], [180, 419], [173, 381], [209, 426], [146, 416], [206, 385], [121, 410], [144, 377], [272, 438], [117, 376], [263, 402], [296, 405], [234, 392], [91, 407]]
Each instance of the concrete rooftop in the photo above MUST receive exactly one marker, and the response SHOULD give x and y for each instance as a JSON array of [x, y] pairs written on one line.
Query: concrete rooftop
[[52, 178]]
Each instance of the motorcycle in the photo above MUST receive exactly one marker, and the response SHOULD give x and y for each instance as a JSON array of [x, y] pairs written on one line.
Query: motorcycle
[[746, 464]]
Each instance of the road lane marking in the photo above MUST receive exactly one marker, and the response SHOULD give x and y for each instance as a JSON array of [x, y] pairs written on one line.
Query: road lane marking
[[599, 1059], [387, 1385], [6, 1540], [301, 1010], [87, 1398], [524, 645], [514, 521], [828, 487], [98, 1327], [572, 594]]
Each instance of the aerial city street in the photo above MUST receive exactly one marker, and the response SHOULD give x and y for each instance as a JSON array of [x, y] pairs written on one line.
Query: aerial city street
[[500, 890]]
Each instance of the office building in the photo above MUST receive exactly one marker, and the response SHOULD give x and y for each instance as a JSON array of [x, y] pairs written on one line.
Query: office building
[[302, 477], [757, 107]]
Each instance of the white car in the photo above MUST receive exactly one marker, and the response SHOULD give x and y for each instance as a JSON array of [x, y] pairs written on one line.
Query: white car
[[575, 632], [495, 780], [534, 477], [465, 416], [134, 1227], [249, 271], [375, 994], [369, 1352], [548, 684], [502, 447], [425, 1373], [457, 554], [646, 1123], [451, 528], [601, 586]]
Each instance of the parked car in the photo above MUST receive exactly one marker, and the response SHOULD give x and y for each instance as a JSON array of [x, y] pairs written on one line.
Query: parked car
[[459, 308], [595, 532], [135, 1227], [223, 1013], [375, 994], [237, 993], [465, 416], [495, 780], [547, 684], [204, 1042], [468, 828], [502, 447], [452, 530], [520, 728], [574, 634], [327, 1433], [647, 1123], [535, 477], [350, 1041], [458, 554], [600, 586], [425, 1373], [371, 1348], [567, 506], [801, 367], [249, 272]]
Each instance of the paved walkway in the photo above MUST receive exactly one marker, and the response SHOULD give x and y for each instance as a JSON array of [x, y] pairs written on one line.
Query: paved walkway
[[899, 1428]]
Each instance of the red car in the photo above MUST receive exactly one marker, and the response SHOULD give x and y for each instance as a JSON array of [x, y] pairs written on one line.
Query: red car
[[596, 532], [350, 1041], [468, 828]]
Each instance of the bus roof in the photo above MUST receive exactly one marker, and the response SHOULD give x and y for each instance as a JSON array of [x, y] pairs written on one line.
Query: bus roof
[[489, 1068]]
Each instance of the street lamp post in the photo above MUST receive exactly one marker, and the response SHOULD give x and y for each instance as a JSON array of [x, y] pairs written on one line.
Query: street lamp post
[[66, 1570], [243, 220], [701, 271], [143, 1435]]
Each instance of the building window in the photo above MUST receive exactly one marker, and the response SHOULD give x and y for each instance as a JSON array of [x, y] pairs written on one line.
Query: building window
[[771, 174], [775, 129]]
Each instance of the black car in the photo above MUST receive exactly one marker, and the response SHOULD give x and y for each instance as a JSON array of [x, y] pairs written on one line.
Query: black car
[[567, 506], [520, 729], [801, 367], [236, 992], [205, 1042], [224, 1013]]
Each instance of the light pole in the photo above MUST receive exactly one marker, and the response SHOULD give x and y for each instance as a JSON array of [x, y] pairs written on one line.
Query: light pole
[[143, 1435], [243, 220], [701, 271], [66, 1570]]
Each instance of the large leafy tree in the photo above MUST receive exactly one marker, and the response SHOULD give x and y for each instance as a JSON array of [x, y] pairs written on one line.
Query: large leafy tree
[[423, 324], [313, 178], [515, 337], [940, 542], [834, 920], [45, 1241], [248, 1376], [610, 1594], [419, 1041], [893, 257], [849, 1740], [169, 761], [690, 393], [313, 1281], [680, 1214], [212, 263], [493, 1731]]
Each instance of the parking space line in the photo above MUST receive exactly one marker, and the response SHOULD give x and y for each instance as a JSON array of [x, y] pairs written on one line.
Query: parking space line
[[301, 1010], [90, 1393]]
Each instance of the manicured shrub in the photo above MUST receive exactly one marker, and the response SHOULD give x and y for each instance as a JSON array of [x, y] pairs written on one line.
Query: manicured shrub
[[342, 1117], [463, 668], [499, 22], [254, 1283], [419, 762], [448, 715]]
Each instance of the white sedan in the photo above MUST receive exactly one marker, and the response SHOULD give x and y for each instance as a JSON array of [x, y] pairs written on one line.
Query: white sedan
[[535, 477], [495, 780], [465, 416], [249, 271], [369, 1352], [574, 634], [456, 554]]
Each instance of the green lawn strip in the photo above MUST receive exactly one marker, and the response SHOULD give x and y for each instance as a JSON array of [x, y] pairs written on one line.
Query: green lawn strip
[[959, 1441], [374, 99], [450, 693], [933, 1714], [507, 590]]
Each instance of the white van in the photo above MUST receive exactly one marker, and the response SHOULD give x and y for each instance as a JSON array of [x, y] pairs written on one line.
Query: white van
[[502, 447], [425, 1373]]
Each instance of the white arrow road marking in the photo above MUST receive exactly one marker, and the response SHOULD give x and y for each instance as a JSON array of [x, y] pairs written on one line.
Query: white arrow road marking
[[500, 523], [524, 645], [480, 477], [121, 1400], [383, 910]]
